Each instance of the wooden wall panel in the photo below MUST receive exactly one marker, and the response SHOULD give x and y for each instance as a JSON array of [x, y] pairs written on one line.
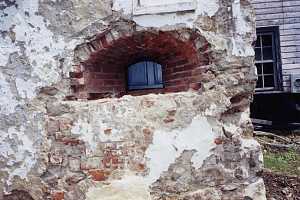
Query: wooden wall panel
[[286, 15]]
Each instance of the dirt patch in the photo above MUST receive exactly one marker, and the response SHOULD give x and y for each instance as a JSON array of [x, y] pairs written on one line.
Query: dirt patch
[[281, 187], [282, 165]]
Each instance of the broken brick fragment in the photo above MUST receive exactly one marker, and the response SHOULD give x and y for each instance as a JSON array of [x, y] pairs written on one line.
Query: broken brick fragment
[[58, 195], [99, 175]]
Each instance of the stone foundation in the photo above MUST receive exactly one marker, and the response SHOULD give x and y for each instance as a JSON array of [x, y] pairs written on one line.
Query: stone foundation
[[71, 130]]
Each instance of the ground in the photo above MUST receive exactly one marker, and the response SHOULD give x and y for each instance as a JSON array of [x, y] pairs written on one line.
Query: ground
[[282, 166], [281, 186]]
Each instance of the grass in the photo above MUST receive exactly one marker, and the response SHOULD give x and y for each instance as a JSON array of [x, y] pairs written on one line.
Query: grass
[[284, 162]]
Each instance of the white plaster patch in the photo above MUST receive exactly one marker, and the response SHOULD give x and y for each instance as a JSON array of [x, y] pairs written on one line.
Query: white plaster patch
[[256, 190], [169, 19], [167, 146], [231, 128], [146, 9], [92, 128], [6, 48], [130, 187], [212, 110], [85, 130], [123, 5], [240, 23], [8, 101], [245, 116], [217, 40], [38, 39], [241, 48], [26, 89], [159, 2], [163, 13], [251, 144], [22, 151], [208, 8], [41, 45]]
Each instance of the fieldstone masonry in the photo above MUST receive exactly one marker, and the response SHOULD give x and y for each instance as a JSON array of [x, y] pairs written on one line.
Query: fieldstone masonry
[[71, 130]]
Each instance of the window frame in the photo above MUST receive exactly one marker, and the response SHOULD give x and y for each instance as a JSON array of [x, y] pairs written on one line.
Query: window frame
[[277, 65], [145, 87]]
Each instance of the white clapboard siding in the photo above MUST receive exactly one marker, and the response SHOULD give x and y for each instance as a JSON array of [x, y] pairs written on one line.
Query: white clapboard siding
[[290, 38], [264, 11], [289, 49], [286, 15]]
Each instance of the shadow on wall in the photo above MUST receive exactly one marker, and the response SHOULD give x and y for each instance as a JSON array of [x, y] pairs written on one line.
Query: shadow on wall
[[104, 61]]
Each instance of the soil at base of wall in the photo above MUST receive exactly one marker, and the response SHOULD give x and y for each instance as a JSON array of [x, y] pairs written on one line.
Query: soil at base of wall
[[281, 187]]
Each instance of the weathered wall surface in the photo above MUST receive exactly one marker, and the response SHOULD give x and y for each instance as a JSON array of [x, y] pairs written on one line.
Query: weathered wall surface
[[188, 145]]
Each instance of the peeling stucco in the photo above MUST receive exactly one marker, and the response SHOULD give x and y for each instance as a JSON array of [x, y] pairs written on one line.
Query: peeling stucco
[[22, 151], [167, 146], [133, 147], [128, 188]]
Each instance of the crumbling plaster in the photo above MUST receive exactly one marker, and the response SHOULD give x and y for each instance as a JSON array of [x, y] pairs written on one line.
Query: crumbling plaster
[[38, 38]]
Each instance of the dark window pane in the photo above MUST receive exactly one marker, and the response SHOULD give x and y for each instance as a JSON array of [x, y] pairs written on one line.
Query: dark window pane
[[145, 75], [158, 74], [259, 83], [266, 58], [137, 74], [259, 68], [268, 68], [266, 40], [150, 73], [269, 81], [258, 54], [267, 53], [257, 43]]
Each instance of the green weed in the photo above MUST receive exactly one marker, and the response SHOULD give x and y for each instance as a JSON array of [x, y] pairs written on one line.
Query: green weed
[[283, 162]]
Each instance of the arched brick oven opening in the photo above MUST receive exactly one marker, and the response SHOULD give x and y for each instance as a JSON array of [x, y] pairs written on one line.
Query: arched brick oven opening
[[104, 62]]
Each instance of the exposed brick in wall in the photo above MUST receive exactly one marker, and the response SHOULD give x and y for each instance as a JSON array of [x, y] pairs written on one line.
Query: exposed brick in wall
[[102, 71]]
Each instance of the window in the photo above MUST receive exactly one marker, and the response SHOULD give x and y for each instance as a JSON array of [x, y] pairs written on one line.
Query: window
[[145, 75], [267, 59]]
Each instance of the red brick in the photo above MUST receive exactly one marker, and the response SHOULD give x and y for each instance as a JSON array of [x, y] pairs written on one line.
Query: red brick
[[218, 141], [107, 131], [141, 167], [71, 141], [195, 86], [180, 62], [76, 74], [99, 175], [101, 75], [147, 131], [104, 42], [169, 120], [58, 195]]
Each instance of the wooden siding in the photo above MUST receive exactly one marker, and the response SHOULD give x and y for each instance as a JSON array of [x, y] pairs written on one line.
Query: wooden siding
[[286, 15]]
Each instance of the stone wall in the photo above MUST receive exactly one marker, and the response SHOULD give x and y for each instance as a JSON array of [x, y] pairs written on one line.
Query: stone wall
[[193, 141]]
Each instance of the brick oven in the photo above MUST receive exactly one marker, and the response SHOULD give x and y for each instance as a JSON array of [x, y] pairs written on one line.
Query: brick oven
[[128, 100], [104, 61]]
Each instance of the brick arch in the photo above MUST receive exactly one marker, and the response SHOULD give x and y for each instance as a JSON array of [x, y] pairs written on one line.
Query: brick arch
[[102, 72]]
